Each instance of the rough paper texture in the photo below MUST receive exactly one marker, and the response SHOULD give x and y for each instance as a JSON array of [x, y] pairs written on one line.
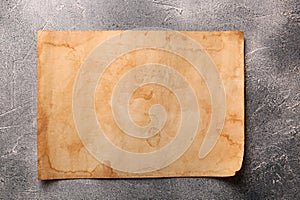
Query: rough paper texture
[[121, 104]]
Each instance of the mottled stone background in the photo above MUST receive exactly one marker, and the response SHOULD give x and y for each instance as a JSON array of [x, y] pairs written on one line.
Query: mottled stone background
[[272, 71]]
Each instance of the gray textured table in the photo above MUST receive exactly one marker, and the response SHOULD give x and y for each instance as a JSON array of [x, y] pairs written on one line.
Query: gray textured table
[[272, 28]]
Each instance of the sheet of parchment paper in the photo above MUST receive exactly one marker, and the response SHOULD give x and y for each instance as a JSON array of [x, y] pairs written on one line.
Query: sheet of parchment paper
[[122, 104]]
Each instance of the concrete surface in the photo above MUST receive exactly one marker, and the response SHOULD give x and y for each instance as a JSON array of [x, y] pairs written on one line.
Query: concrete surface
[[272, 28]]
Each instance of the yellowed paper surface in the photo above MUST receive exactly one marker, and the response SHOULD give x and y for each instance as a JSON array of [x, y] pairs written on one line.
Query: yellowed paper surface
[[122, 104]]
